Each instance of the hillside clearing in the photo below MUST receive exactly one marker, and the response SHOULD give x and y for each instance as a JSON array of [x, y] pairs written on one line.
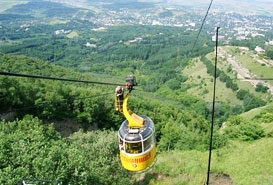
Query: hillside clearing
[[247, 65], [202, 84]]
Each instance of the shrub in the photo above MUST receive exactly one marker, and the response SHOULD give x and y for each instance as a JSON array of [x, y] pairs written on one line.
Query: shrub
[[30, 149], [239, 128]]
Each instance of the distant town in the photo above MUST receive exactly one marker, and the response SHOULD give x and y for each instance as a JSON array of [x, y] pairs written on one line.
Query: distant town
[[233, 25]]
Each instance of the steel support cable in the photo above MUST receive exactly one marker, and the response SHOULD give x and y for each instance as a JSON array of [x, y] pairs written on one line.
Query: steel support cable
[[200, 29], [256, 79], [213, 107], [54, 78]]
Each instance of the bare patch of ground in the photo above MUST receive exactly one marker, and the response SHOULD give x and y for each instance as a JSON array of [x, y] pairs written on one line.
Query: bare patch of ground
[[67, 127], [220, 179]]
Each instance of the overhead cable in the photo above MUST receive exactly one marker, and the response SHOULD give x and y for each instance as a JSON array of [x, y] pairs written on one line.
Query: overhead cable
[[55, 78], [203, 22], [255, 79]]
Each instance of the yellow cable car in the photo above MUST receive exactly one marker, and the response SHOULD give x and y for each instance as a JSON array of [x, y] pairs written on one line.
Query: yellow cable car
[[137, 142], [137, 145]]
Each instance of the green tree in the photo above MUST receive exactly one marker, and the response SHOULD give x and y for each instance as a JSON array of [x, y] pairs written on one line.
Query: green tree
[[241, 94], [261, 88], [250, 102], [28, 148], [269, 53], [174, 84], [239, 128]]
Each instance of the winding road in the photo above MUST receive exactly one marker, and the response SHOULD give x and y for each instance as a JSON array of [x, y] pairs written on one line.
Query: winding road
[[243, 73]]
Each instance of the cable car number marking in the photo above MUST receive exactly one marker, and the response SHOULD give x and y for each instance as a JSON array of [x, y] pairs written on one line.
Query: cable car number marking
[[136, 160]]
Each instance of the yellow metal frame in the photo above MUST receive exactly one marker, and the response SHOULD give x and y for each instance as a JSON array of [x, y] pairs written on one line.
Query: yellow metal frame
[[134, 120]]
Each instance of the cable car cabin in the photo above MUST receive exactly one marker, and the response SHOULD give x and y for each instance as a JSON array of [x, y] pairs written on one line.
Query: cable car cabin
[[137, 145], [136, 134]]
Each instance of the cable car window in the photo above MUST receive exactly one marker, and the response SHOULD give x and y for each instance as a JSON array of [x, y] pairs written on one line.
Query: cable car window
[[133, 148], [121, 144], [148, 143]]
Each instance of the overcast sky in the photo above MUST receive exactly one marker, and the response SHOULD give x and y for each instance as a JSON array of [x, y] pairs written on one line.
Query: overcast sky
[[264, 7]]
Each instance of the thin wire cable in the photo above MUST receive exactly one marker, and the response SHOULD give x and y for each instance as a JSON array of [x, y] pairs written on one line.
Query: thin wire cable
[[213, 107], [257, 79], [246, 79], [55, 78], [203, 22]]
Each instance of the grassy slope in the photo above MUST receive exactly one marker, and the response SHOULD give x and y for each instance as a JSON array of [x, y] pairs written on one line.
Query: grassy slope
[[241, 162], [252, 61], [248, 60], [205, 82], [254, 112], [244, 162]]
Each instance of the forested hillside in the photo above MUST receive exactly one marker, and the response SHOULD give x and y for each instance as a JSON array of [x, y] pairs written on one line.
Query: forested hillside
[[66, 131], [91, 106], [179, 125]]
